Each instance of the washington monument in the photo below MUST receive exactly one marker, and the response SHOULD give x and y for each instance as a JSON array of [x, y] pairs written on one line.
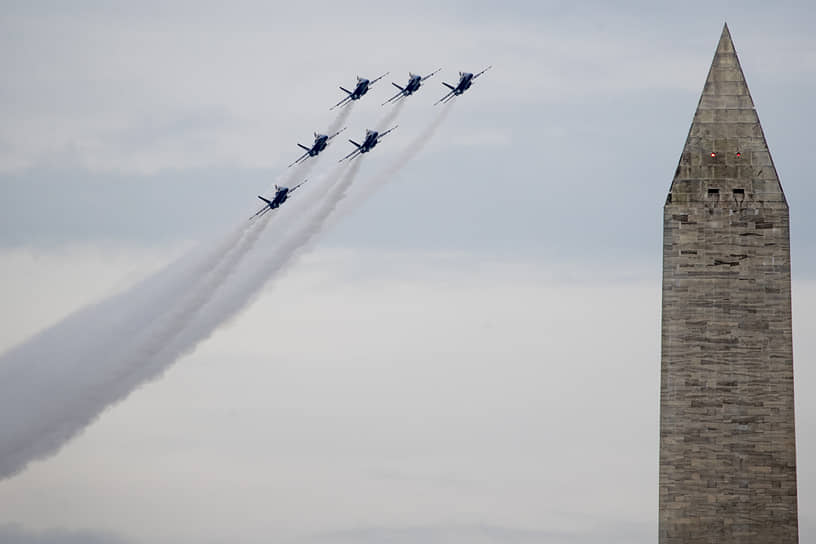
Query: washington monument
[[727, 443]]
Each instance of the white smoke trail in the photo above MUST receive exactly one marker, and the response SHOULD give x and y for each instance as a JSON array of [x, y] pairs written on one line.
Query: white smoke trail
[[393, 112], [150, 346], [342, 117], [276, 248], [56, 383], [300, 172], [284, 246], [260, 267], [340, 171], [274, 254], [366, 188]]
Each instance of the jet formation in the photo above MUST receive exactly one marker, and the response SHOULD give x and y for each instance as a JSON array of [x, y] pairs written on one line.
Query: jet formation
[[372, 137]]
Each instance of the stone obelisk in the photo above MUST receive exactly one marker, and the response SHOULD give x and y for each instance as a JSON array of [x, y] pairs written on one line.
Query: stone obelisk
[[727, 443]]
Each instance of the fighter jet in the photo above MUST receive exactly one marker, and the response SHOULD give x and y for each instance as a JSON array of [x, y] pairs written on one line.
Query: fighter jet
[[281, 196], [465, 81], [362, 87], [414, 82], [320, 143], [372, 138]]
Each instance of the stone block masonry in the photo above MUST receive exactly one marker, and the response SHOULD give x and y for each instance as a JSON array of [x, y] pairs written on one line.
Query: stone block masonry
[[727, 442]]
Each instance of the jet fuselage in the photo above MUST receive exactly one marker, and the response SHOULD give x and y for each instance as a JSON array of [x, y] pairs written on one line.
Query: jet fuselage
[[360, 89], [280, 197], [320, 143], [413, 85], [465, 81], [370, 141]]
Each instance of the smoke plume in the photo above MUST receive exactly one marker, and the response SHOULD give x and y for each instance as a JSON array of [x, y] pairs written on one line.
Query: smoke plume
[[56, 383]]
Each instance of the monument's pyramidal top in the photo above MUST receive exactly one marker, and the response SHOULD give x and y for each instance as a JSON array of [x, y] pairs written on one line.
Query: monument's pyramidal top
[[726, 148], [725, 86]]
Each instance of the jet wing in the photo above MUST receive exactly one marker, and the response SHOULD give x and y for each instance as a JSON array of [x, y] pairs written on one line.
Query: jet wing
[[445, 98], [293, 189], [302, 157], [393, 98], [346, 99], [260, 212], [373, 81], [379, 137], [351, 155], [429, 75], [332, 136], [482, 72]]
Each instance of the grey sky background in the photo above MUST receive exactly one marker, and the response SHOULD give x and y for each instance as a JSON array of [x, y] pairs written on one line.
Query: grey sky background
[[189, 111], [472, 355]]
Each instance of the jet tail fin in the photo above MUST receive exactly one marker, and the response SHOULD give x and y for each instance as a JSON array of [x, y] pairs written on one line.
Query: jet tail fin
[[304, 147], [397, 86], [451, 87], [346, 90], [265, 200], [355, 143]]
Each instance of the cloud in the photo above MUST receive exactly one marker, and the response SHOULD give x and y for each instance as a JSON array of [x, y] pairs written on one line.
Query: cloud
[[566, 148], [71, 206], [203, 86], [17, 534], [378, 363], [418, 393]]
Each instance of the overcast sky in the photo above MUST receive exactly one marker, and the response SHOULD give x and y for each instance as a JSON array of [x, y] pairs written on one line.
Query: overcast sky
[[472, 354]]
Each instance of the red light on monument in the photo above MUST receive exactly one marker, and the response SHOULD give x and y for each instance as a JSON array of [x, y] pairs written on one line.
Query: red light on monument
[[739, 154], [713, 154]]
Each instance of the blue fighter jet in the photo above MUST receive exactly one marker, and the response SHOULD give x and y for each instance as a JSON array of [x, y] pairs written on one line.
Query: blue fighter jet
[[414, 83], [320, 143], [281, 196], [465, 81], [362, 88], [372, 138]]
